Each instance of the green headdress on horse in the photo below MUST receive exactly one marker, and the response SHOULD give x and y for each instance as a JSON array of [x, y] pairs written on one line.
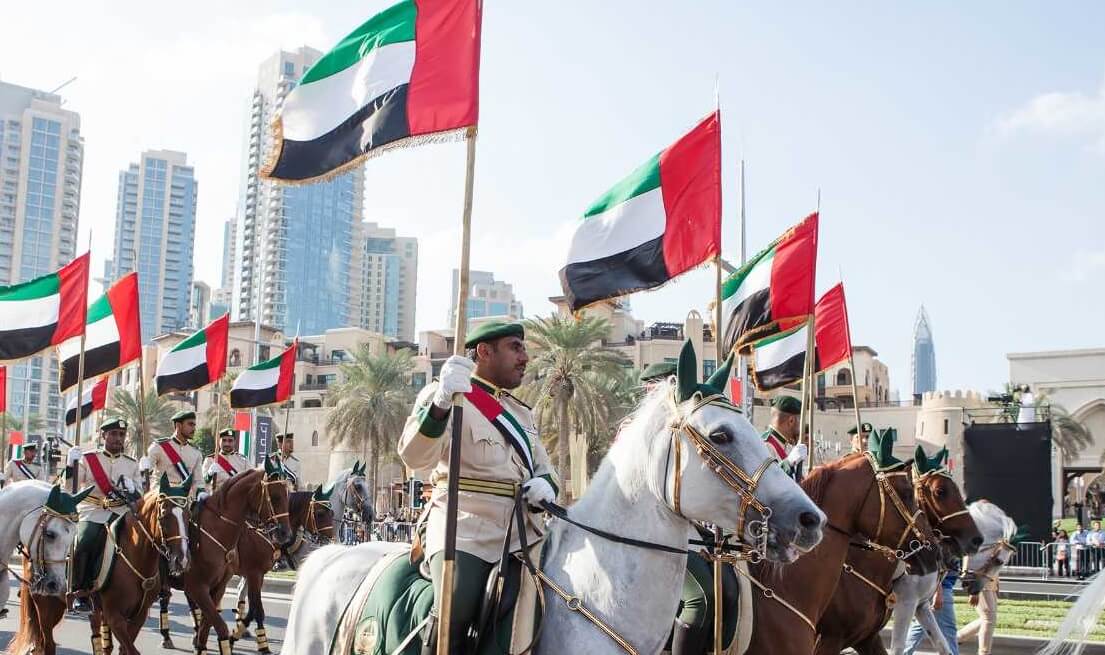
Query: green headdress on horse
[[881, 446], [686, 373]]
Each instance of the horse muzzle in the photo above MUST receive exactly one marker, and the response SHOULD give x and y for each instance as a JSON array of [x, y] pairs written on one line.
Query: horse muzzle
[[48, 585]]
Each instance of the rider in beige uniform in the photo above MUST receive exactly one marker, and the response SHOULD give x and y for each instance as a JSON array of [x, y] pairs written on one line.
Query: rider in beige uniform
[[24, 469], [107, 467], [492, 464], [859, 437], [782, 434], [191, 459], [226, 463], [285, 441]]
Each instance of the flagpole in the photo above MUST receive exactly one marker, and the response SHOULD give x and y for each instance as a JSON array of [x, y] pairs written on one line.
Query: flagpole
[[851, 356], [80, 392], [5, 417], [448, 569], [811, 357], [746, 390], [218, 407]]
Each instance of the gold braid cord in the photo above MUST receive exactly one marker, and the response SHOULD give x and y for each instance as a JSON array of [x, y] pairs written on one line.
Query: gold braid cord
[[769, 593]]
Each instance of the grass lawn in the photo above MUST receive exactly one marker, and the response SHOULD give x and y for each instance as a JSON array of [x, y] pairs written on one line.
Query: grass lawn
[[1028, 618]]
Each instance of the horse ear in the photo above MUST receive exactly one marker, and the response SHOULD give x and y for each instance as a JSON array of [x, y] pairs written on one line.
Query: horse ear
[[941, 458], [322, 494], [873, 441], [686, 372], [885, 454], [720, 379], [54, 497], [81, 495], [921, 460], [268, 465]]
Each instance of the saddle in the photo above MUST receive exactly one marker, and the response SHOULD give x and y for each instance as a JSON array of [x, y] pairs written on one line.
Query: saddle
[[100, 568]]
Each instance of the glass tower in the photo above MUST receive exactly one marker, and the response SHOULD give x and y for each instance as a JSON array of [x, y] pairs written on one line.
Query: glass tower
[[924, 355]]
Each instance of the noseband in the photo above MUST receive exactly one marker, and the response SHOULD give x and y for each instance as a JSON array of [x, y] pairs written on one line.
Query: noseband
[[264, 502], [886, 490], [733, 476]]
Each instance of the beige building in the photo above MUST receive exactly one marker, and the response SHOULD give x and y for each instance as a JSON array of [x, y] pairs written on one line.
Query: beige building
[[487, 297], [872, 378]]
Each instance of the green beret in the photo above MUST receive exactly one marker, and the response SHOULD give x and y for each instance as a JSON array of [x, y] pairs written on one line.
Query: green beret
[[866, 427], [787, 404], [113, 424], [492, 330], [284, 435], [658, 371], [228, 432], [184, 415], [30, 445]]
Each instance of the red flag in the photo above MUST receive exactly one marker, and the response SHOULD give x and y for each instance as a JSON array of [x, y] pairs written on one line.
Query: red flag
[[831, 333], [242, 421], [3, 388], [15, 438], [736, 390]]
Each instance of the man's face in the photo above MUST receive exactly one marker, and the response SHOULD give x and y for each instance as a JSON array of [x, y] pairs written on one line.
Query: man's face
[[228, 444], [857, 441], [113, 441], [788, 425], [29, 454], [186, 428], [1096, 526], [503, 361], [1078, 527], [287, 446]]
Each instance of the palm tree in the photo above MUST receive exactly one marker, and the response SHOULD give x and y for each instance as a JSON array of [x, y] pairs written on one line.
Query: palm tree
[[371, 403], [10, 422], [1068, 434], [569, 381], [158, 414]]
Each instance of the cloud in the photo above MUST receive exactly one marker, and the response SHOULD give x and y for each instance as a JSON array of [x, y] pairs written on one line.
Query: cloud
[[1084, 266], [1065, 114]]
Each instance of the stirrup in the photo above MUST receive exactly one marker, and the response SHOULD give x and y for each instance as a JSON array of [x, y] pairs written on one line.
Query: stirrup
[[429, 636]]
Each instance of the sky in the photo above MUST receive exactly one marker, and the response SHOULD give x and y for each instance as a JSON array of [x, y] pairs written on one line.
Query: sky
[[959, 148]]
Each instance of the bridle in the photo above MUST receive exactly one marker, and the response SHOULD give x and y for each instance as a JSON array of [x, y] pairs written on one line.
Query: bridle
[[265, 503], [734, 477], [311, 531], [149, 583], [35, 549], [992, 563], [929, 505], [887, 491]]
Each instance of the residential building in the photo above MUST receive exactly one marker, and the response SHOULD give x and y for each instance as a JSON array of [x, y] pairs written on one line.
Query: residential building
[[872, 381], [226, 274], [200, 309], [155, 230], [220, 302], [41, 165], [486, 297], [294, 246], [387, 288], [924, 356]]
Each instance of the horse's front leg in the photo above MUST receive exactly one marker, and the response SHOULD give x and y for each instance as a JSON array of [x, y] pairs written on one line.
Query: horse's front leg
[[872, 645], [257, 610], [927, 618], [900, 623], [241, 627], [163, 597]]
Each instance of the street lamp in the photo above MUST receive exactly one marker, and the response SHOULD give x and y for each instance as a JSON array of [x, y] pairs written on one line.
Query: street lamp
[[1078, 493]]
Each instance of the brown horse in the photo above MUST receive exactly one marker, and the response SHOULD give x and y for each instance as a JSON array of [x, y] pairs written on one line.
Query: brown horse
[[157, 529], [859, 499], [309, 512], [863, 599], [217, 533], [38, 614]]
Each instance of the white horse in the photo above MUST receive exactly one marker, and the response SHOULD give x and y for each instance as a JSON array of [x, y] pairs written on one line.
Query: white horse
[[351, 491], [633, 590], [30, 514]]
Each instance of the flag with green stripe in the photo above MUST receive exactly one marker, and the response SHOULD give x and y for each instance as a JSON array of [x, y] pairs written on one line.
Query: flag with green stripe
[[43, 312]]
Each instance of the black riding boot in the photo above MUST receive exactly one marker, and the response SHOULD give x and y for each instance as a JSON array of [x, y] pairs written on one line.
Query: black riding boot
[[687, 640], [80, 583]]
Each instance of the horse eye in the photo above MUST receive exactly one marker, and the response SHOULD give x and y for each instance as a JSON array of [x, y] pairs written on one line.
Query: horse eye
[[51, 535], [721, 437]]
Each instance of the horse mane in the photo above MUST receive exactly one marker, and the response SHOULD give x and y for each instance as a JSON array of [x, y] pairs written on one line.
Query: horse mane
[[817, 480], [298, 501], [225, 489]]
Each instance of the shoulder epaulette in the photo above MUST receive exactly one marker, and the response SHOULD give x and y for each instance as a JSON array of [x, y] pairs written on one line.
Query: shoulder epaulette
[[517, 400], [126, 456], [162, 439]]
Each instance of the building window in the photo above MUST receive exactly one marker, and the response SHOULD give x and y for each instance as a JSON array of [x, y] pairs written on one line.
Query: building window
[[235, 357], [314, 438], [708, 367], [843, 377], [945, 426]]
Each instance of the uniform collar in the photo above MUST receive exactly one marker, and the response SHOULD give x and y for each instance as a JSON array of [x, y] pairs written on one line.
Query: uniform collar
[[103, 451], [178, 441], [778, 435], [496, 391], [222, 454]]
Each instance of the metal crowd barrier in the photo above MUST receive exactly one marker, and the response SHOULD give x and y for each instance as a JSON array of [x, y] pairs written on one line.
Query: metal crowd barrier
[[1037, 559], [356, 532]]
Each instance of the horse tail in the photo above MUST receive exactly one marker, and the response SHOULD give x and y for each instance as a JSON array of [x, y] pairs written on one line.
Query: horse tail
[[1080, 620]]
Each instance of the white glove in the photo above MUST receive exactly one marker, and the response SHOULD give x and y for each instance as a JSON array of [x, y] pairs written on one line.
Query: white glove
[[201, 496], [456, 377], [144, 464], [536, 491], [74, 454], [128, 485], [797, 454]]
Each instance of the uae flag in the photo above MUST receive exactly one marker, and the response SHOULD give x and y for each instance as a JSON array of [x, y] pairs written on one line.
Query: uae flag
[[775, 285], [243, 424], [92, 400], [407, 76], [197, 361], [43, 312], [780, 359], [266, 383], [113, 336], [660, 221]]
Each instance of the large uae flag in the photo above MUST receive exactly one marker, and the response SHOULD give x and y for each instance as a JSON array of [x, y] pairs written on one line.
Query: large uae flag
[[113, 335], [266, 383], [92, 400], [409, 75], [43, 312], [197, 361], [775, 285], [660, 221]]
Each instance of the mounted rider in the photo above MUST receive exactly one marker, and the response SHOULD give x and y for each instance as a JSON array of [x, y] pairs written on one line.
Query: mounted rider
[[782, 433], [19, 470], [175, 457], [226, 462], [284, 456], [115, 482], [860, 436], [502, 451]]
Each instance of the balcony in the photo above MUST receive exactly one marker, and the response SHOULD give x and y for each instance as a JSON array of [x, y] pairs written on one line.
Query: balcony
[[314, 386]]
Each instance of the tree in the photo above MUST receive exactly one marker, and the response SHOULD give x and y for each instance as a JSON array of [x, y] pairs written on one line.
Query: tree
[[371, 403], [158, 412], [10, 422], [569, 381]]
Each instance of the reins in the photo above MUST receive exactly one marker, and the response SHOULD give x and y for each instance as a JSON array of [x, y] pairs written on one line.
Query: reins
[[39, 562], [160, 546]]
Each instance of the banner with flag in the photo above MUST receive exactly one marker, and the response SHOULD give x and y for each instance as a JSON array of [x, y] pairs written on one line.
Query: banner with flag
[[831, 330], [266, 383], [113, 336], [243, 424], [408, 75], [92, 400], [197, 361], [15, 438], [43, 312], [775, 285], [660, 221]]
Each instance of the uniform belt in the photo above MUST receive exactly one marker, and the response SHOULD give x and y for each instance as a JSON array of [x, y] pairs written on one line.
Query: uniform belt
[[479, 486], [103, 503]]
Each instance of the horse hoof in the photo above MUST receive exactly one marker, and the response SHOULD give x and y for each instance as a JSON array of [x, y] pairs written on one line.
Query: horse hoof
[[4, 613], [167, 643]]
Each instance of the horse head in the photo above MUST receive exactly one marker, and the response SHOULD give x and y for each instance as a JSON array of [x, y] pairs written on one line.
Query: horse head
[[943, 503], [272, 505], [999, 533], [168, 517], [357, 495], [319, 522], [708, 464], [48, 534]]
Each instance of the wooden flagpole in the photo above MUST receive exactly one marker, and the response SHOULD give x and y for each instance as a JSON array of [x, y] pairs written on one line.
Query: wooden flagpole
[[851, 357], [811, 357], [141, 403], [79, 424], [448, 569], [5, 416]]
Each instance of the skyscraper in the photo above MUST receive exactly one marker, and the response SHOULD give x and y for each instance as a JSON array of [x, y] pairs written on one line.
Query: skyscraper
[[41, 164], [924, 355], [155, 221], [226, 275], [388, 282], [294, 244], [486, 297]]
